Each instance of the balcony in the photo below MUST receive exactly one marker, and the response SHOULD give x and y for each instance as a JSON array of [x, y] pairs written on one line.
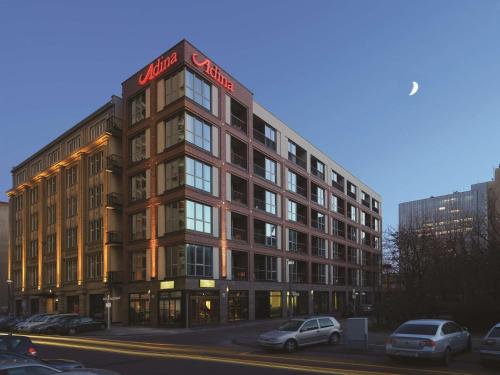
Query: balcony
[[114, 238], [239, 227], [113, 125], [317, 220], [264, 167], [239, 267], [113, 201], [239, 190], [263, 133], [298, 272], [338, 185], [365, 202], [297, 154], [114, 164], [238, 153], [238, 116]]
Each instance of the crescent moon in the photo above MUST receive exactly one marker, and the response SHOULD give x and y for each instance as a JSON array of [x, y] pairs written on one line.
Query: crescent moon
[[414, 89]]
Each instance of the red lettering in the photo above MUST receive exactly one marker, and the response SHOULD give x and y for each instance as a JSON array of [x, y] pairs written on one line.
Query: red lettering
[[157, 68], [213, 71]]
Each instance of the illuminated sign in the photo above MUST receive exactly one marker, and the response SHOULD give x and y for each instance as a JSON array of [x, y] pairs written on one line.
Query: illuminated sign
[[213, 71], [158, 67], [167, 284], [207, 283]]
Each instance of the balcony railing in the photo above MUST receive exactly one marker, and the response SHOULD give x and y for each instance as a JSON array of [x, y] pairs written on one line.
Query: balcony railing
[[239, 273], [114, 125], [261, 137], [319, 252], [238, 123], [316, 172], [239, 234], [262, 239], [113, 200], [299, 247], [365, 202], [338, 185], [297, 160], [114, 238], [318, 224], [259, 170], [114, 164], [262, 274], [239, 160], [259, 204], [298, 277]]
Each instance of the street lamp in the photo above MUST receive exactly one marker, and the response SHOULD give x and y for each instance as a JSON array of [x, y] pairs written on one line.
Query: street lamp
[[290, 263], [9, 297]]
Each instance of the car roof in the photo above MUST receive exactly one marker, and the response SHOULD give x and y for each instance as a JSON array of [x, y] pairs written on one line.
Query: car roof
[[427, 321]]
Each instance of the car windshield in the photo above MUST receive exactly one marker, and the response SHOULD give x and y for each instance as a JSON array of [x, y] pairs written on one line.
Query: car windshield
[[495, 332], [417, 329], [40, 318], [292, 325]]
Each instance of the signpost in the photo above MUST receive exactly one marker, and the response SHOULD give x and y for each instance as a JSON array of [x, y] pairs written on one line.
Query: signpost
[[108, 300]]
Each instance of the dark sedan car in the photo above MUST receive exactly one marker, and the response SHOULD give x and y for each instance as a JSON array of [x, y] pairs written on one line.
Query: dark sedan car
[[18, 344], [80, 324], [53, 325], [60, 364], [7, 323]]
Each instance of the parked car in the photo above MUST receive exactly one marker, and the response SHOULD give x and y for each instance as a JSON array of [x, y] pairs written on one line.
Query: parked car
[[18, 344], [15, 367], [52, 325], [489, 351], [28, 327], [79, 324], [302, 332], [8, 323], [426, 338], [60, 364], [29, 321]]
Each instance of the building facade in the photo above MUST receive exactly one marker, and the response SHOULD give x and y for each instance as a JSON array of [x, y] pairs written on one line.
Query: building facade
[[447, 214], [214, 211], [4, 257]]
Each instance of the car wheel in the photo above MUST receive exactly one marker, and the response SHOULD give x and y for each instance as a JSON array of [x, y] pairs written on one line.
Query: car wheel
[[71, 331], [334, 339], [290, 346], [447, 357]]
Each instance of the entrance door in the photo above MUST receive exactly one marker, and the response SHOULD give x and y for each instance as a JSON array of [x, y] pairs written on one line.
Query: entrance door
[[169, 309], [204, 308], [96, 306], [139, 308], [73, 304], [34, 306]]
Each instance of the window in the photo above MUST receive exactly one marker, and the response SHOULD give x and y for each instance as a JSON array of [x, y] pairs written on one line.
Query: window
[[376, 224], [264, 200], [174, 87], [176, 261], [138, 147], [376, 242], [71, 238], [138, 108], [338, 251], [94, 266], [95, 163], [264, 133], [198, 90], [138, 186], [365, 198], [293, 240], [18, 202], [318, 220], [319, 273], [352, 212], [97, 129], [297, 154], [352, 255], [198, 174], [317, 168], [33, 249], [292, 211], [270, 170], [174, 174], [51, 214], [352, 190], [51, 186], [266, 268], [334, 203], [95, 196], [175, 216], [70, 269], [50, 273], [375, 205], [265, 233], [51, 243], [319, 247], [338, 228], [71, 206], [199, 261], [53, 158], [33, 222], [138, 226], [317, 194], [310, 325], [32, 276], [71, 176], [73, 144], [325, 323], [271, 230], [138, 266], [270, 202], [292, 182], [36, 167], [95, 230], [337, 181], [198, 132], [352, 233], [198, 217]]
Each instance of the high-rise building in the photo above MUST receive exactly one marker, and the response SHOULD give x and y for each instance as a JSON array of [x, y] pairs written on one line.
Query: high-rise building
[[4, 257], [194, 205], [449, 214]]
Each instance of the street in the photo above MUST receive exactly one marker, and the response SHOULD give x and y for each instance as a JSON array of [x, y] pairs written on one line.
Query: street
[[224, 350]]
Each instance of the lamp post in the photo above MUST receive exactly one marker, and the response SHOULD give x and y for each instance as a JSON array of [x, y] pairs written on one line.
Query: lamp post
[[289, 263], [9, 297]]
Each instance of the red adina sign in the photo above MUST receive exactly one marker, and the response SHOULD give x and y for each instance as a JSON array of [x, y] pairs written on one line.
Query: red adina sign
[[157, 68], [213, 71]]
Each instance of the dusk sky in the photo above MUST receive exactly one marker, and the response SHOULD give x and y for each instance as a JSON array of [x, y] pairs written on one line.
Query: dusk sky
[[337, 72]]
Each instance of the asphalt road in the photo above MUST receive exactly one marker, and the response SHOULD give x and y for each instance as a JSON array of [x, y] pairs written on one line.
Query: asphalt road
[[141, 355]]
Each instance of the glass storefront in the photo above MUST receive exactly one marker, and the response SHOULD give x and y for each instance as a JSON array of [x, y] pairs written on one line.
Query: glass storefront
[[299, 303], [139, 308], [320, 302], [237, 301], [170, 309], [204, 308], [267, 304]]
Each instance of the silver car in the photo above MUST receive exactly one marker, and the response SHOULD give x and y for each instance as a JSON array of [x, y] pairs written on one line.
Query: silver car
[[302, 332], [428, 338], [489, 350]]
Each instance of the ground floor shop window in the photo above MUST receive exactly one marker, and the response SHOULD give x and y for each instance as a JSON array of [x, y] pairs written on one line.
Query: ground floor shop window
[[170, 309], [267, 304], [204, 308], [96, 306], [338, 302], [139, 308], [320, 302], [237, 301], [299, 303], [73, 304]]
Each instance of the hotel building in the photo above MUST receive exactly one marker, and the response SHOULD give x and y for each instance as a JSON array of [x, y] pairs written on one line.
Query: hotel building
[[194, 205]]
